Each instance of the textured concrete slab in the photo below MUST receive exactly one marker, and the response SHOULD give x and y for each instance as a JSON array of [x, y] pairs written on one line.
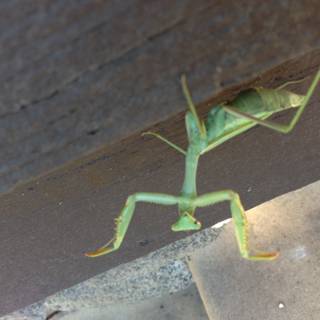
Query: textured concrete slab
[[183, 305], [287, 288], [158, 274]]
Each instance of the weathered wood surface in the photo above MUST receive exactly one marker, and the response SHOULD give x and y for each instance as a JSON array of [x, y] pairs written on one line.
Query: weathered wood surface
[[47, 224], [86, 73], [81, 74]]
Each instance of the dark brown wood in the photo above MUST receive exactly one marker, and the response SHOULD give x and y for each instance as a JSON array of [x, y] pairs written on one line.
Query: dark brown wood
[[79, 75]]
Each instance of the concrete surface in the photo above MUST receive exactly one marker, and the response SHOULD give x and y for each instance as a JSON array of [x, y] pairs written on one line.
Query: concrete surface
[[183, 305], [158, 274], [230, 287], [287, 288]]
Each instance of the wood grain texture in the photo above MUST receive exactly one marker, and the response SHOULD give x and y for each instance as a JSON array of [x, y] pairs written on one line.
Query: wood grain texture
[[82, 74], [48, 223]]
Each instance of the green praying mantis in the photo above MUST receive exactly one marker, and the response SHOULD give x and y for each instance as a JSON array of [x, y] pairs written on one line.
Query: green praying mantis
[[224, 121]]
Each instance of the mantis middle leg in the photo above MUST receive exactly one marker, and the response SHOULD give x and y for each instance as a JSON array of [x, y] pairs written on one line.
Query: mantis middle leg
[[123, 221], [239, 219], [160, 137]]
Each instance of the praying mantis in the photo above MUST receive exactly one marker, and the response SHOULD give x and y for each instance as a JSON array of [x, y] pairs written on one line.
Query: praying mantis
[[224, 121]]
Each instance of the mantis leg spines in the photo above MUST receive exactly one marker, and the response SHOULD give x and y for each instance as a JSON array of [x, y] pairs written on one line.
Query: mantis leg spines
[[124, 219]]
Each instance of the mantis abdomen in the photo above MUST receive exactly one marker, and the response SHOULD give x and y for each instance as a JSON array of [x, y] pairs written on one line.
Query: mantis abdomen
[[259, 102]]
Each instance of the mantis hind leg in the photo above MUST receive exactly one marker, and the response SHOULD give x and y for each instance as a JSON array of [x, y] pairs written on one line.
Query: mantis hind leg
[[239, 219], [124, 219], [283, 128]]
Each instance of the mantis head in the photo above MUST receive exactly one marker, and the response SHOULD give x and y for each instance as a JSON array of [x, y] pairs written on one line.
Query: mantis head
[[186, 222]]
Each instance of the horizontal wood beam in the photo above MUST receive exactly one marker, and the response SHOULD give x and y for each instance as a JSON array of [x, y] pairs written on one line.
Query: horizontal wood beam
[[78, 76]]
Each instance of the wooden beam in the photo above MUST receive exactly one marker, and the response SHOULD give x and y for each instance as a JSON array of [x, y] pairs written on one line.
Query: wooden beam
[[78, 76], [48, 223], [81, 76]]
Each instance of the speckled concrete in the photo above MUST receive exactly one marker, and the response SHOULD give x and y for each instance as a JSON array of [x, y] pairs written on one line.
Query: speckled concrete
[[161, 272], [230, 287], [183, 305], [287, 288]]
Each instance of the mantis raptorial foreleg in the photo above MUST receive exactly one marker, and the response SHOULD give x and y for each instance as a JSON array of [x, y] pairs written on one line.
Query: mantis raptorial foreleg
[[283, 128], [239, 219], [186, 220], [123, 221], [192, 107]]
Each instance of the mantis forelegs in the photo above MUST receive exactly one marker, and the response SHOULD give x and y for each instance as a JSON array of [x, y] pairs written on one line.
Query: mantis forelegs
[[239, 218], [123, 221], [283, 128], [186, 221]]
